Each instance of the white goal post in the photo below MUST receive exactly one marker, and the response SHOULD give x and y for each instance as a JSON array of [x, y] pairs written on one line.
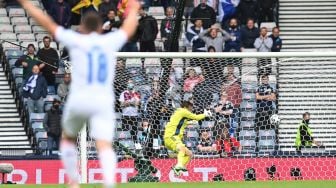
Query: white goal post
[[303, 81]]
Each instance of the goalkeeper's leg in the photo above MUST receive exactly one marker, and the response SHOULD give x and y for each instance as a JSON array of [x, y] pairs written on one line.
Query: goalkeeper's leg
[[183, 157]]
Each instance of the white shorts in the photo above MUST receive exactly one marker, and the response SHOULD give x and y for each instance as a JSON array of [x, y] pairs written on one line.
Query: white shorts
[[99, 115]]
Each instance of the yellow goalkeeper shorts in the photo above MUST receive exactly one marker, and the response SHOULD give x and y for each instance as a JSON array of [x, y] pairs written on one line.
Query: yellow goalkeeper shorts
[[171, 143]]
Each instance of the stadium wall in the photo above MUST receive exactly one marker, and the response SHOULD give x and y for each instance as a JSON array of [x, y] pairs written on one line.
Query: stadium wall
[[51, 172]]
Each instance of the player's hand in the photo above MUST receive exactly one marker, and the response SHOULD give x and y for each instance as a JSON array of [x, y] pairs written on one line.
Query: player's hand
[[207, 113]]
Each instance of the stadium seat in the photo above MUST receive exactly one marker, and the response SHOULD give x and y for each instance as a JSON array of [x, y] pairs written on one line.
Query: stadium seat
[[42, 145], [3, 12], [123, 135], [7, 46], [5, 28], [266, 145], [22, 29], [39, 29], [133, 62], [247, 135], [157, 12], [152, 62], [40, 134], [247, 125], [26, 37], [268, 25], [207, 125], [13, 54], [128, 144], [249, 96], [39, 36], [36, 117], [118, 125], [37, 4], [16, 12], [249, 87], [12, 63], [248, 145], [19, 21], [36, 125], [248, 105], [4, 20], [266, 134], [17, 72], [250, 70], [192, 134], [51, 90], [32, 21], [250, 79], [18, 82], [8, 36], [248, 115]]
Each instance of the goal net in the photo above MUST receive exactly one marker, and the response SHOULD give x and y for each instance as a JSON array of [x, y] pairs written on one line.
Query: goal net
[[257, 130]]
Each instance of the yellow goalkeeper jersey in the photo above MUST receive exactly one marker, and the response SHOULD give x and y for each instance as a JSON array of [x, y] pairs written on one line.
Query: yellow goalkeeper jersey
[[178, 122]]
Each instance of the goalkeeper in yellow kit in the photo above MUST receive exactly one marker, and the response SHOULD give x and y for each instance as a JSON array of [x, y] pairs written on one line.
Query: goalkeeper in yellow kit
[[173, 135]]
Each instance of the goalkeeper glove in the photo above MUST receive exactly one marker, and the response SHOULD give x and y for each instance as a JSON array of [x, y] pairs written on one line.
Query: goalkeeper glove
[[207, 113]]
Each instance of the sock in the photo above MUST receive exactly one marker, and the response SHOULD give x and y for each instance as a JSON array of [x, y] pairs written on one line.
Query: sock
[[108, 163], [70, 161], [185, 160], [180, 159]]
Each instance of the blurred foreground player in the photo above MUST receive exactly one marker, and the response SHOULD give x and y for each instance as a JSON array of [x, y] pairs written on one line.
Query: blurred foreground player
[[173, 135], [91, 97]]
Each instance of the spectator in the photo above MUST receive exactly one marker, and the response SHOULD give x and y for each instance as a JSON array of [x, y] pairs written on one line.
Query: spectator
[[266, 10], [121, 77], [50, 56], [166, 28], [249, 34], [277, 41], [234, 92], [226, 144], [205, 13], [64, 87], [224, 109], [61, 13], [188, 8], [206, 144], [212, 68], [192, 80], [227, 10], [111, 24], [35, 90], [247, 9], [192, 35], [263, 43], [147, 31], [105, 7], [304, 134], [130, 102], [265, 96], [28, 61], [143, 134], [234, 42], [52, 124], [214, 39]]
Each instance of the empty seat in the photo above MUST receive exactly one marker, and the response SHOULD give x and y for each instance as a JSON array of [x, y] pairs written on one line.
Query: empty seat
[[123, 135], [17, 72], [207, 124], [36, 125], [248, 145], [36, 117], [128, 143], [249, 96], [8, 46], [12, 63], [5, 28], [192, 134], [247, 135], [247, 124], [32, 21], [41, 134], [249, 87], [267, 134], [266, 145], [37, 4], [18, 82], [157, 12], [22, 29], [248, 115], [3, 12], [19, 20], [38, 29], [13, 54], [26, 37], [251, 79], [39, 36], [248, 105], [4, 20], [16, 12], [268, 25], [8, 36]]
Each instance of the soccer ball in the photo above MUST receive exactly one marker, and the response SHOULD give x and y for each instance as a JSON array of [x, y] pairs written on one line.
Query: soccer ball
[[275, 120]]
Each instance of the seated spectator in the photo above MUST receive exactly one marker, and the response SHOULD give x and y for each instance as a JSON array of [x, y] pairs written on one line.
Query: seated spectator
[[166, 28], [61, 13], [147, 31], [64, 87], [277, 41], [226, 144], [212, 68], [265, 95], [211, 37], [206, 144], [192, 80], [233, 44], [50, 56], [35, 90], [249, 34], [130, 102], [227, 10], [247, 9], [197, 44], [224, 109], [52, 124], [105, 7], [205, 13], [28, 61], [266, 10], [143, 133], [111, 24], [304, 134]]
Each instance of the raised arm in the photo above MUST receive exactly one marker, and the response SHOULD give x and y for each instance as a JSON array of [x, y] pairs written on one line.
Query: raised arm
[[45, 20], [130, 24]]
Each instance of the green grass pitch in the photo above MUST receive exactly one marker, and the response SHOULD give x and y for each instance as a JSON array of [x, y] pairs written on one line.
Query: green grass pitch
[[260, 184]]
